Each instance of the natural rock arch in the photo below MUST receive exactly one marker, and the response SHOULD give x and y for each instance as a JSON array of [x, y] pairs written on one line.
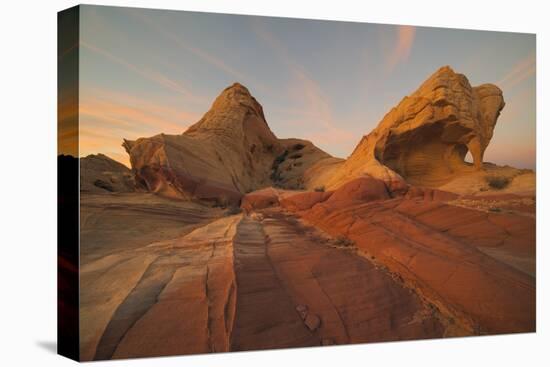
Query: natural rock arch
[[425, 138]]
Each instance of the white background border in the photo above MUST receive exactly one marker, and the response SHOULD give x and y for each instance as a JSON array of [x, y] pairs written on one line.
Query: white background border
[[28, 182]]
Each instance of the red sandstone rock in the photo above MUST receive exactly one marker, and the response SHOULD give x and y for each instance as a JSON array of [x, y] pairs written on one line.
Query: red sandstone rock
[[348, 300], [476, 267], [312, 321], [302, 311], [429, 194], [360, 190], [260, 199], [304, 200]]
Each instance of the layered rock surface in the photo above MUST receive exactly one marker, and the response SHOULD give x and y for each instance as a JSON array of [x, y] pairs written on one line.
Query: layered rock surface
[[426, 264], [475, 264], [422, 141], [241, 283], [403, 240], [230, 151], [425, 138]]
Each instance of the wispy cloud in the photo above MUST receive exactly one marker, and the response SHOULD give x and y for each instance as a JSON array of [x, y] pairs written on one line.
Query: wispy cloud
[[316, 108], [522, 71], [106, 117], [133, 113], [96, 140], [402, 48], [198, 52], [68, 51], [150, 75]]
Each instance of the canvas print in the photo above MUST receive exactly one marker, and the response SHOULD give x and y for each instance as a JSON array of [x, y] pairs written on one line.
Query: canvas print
[[236, 183]]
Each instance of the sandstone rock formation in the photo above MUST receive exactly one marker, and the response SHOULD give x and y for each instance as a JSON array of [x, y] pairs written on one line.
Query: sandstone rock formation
[[476, 266], [425, 138], [362, 189], [228, 284], [101, 174], [228, 152], [422, 141], [403, 240]]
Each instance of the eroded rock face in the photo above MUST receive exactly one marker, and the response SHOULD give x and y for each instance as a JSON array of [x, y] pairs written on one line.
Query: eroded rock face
[[363, 189], [228, 152], [423, 141], [101, 174], [425, 138], [304, 200], [260, 199], [477, 267]]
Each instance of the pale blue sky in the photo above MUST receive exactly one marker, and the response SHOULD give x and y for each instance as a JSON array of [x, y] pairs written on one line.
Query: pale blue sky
[[149, 71]]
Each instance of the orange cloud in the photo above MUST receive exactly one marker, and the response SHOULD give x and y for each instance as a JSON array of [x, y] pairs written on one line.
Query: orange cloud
[[402, 48], [67, 124], [523, 70], [102, 141], [108, 117], [134, 113]]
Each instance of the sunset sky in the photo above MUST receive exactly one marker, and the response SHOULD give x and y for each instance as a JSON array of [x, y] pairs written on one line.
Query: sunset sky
[[143, 72]]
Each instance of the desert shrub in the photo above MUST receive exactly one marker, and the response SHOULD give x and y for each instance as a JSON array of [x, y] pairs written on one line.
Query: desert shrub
[[320, 189], [280, 159], [295, 156], [342, 241], [276, 176], [497, 182], [298, 146]]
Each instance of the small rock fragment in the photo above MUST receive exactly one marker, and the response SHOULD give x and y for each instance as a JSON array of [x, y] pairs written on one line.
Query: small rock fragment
[[312, 321], [302, 310]]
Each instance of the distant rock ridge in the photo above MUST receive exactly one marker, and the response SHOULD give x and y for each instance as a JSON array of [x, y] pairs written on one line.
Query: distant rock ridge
[[101, 174]]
